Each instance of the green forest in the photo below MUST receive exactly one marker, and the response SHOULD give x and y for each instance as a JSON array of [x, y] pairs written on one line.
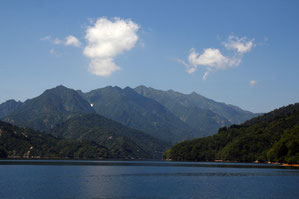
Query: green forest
[[272, 137], [25, 143]]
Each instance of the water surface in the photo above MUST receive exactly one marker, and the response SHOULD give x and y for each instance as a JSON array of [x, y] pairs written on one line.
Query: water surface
[[145, 180]]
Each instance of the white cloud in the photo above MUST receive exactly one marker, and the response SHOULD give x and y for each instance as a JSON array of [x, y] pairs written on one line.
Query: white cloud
[[72, 41], [107, 39], [69, 41], [102, 66], [252, 82], [53, 52], [213, 60], [190, 69], [46, 38], [242, 45]]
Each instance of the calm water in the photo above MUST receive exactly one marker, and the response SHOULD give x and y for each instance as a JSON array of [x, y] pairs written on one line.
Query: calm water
[[144, 180]]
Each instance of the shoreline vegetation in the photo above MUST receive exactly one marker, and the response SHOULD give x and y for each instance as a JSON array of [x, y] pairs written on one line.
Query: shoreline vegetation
[[271, 138], [18, 158]]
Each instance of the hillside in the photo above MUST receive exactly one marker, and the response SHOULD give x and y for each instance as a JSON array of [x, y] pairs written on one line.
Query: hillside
[[200, 113], [271, 137], [26, 143], [77, 140], [121, 141]]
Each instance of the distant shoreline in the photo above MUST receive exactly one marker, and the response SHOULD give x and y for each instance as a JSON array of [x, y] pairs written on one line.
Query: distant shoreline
[[255, 162], [75, 161]]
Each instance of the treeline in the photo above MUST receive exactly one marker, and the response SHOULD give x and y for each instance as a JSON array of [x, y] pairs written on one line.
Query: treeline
[[272, 137]]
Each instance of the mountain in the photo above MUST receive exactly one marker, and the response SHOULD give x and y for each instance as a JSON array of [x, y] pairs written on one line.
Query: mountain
[[64, 113], [167, 115], [139, 112], [26, 143], [50, 108], [121, 141], [271, 137], [200, 113], [8, 107]]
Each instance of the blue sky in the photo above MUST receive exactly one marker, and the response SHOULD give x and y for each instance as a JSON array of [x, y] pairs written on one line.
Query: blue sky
[[249, 50]]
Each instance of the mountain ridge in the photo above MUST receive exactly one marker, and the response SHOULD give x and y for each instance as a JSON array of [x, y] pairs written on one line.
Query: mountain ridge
[[167, 115], [139, 112], [197, 110]]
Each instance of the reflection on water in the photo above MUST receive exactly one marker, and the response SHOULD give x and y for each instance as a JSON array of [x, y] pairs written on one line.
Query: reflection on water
[[139, 179]]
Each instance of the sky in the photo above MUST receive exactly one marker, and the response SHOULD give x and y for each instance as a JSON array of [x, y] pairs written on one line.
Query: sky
[[244, 53]]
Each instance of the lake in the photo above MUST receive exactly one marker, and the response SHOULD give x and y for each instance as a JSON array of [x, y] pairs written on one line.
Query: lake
[[145, 180]]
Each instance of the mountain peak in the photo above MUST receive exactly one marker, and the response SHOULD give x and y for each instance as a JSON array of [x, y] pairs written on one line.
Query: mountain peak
[[42, 112], [58, 89], [8, 107], [60, 86]]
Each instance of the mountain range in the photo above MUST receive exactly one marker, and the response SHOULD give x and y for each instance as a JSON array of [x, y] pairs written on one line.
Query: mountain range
[[124, 121], [167, 115]]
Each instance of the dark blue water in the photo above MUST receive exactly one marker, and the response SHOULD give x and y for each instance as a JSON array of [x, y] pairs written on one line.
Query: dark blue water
[[107, 179]]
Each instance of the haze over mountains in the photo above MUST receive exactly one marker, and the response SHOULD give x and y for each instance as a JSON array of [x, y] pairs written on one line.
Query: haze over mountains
[[140, 122]]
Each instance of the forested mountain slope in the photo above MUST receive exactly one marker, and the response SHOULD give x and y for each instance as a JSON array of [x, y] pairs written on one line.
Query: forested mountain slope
[[120, 140], [272, 137], [27, 143]]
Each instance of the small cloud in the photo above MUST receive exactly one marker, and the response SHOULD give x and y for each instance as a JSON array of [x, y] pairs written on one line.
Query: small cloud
[[46, 38], [252, 82], [54, 53], [190, 69], [69, 41], [213, 60], [242, 45], [105, 40], [72, 41]]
